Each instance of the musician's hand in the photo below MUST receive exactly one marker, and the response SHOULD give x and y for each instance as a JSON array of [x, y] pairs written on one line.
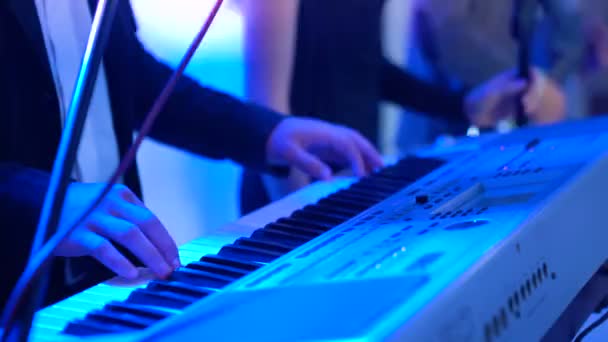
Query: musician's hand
[[494, 100], [544, 100], [310, 145], [124, 219]]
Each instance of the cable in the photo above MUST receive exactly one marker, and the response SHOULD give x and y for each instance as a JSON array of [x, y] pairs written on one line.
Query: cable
[[43, 256], [523, 21], [591, 327]]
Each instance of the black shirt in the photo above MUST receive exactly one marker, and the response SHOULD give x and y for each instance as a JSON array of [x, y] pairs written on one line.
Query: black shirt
[[341, 75]]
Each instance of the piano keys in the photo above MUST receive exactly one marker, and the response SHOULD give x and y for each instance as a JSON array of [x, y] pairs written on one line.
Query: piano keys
[[482, 246], [106, 309]]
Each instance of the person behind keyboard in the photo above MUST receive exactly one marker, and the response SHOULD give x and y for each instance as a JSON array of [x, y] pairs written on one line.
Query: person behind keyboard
[[463, 43], [41, 46], [324, 59]]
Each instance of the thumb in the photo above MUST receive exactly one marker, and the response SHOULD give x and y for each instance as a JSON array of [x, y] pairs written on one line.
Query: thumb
[[308, 163]]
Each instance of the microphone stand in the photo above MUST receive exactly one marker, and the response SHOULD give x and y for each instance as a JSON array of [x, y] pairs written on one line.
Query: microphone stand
[[64, 162], [523, 23]]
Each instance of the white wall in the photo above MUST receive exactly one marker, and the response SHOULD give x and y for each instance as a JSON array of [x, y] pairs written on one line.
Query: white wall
[[191, 194]]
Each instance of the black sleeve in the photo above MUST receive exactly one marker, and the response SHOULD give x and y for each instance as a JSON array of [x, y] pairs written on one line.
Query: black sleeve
[[202, 120], [22, 192], [408, 91]]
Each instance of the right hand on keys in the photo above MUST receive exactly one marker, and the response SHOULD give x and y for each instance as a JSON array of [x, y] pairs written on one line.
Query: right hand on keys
[[121, 218]]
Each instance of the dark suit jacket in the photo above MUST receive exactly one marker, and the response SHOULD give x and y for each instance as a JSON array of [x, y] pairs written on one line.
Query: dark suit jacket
[[196, 119]]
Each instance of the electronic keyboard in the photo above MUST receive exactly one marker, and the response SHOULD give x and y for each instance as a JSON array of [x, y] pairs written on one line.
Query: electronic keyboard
[[486, 240]]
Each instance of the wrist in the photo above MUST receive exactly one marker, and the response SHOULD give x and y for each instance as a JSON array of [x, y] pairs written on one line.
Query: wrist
[[273, 163]]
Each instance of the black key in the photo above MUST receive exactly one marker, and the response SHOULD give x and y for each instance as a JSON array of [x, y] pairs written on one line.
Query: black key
[[83, 327], [316, 216], [412, 168], [328, 208], [97, 323], [345, 203], [361, 194], [227, 271], [281, 236], [264, 244], [395, 171], [249, 253], [290, 228], [352, 197], [163, 299], [372, 190], [200, 278], [327, 211], [366, 194], [346, 196], [422, 199], [323, 211], [137, 310], [305, 223], [120, 319], [396, 183], [377, 183], [179, 288], [222, 260]]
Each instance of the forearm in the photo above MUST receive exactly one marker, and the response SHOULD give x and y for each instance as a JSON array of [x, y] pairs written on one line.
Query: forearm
[[22, 192], [202, 120], [410, 92]]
